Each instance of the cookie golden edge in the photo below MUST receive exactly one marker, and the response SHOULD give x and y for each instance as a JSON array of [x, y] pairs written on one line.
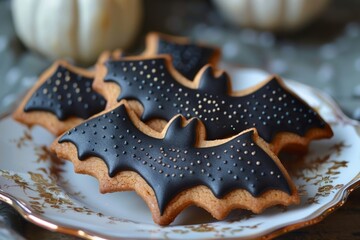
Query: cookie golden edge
[[286, 141], [45, 119], [152, 38], [200, 196], [151, 49]]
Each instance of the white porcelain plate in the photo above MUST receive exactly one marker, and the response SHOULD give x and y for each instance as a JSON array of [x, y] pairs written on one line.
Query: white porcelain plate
[[47, 192]]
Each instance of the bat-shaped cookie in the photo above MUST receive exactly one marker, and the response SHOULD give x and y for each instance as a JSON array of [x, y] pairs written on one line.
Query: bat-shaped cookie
[[188, 57], [61, 98], [279, 115], [177, 168], [65, 101]]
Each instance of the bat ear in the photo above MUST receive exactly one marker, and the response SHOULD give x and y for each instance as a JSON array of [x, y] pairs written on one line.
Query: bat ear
[[214, 84], [181, 135]]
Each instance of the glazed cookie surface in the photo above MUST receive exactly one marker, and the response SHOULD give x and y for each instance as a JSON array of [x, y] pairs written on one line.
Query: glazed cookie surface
[[187, 57], [278, 114], [62, 98], [177, 167]]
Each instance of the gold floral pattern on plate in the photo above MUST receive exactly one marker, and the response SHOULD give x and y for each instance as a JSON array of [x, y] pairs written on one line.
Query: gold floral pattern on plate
[[45, 190]]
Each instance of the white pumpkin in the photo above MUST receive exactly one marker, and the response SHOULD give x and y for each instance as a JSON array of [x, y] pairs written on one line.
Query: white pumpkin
[[80, 29], [273, 15]]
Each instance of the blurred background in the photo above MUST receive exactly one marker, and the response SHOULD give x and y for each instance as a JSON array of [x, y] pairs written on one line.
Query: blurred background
[[320, 48], [297, 39]]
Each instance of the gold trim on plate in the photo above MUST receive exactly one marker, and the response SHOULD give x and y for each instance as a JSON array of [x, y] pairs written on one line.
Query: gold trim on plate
[[339, 199]]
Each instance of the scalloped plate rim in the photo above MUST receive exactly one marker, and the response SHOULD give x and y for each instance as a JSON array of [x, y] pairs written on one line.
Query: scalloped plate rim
[[317, 216]]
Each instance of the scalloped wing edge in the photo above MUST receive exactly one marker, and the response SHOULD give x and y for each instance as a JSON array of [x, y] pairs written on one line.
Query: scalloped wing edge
[[219, 208]]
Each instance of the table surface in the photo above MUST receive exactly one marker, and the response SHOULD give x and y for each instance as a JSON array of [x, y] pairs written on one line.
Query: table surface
[[325, 55]]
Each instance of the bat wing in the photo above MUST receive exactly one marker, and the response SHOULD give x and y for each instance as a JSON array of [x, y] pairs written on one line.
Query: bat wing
[[187, 58], [271, 108], [66, 94], [174, 163]]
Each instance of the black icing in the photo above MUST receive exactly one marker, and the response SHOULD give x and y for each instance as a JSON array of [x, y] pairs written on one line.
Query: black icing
[[66, 94], [271, 108], [173, 164], [189, 58]]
